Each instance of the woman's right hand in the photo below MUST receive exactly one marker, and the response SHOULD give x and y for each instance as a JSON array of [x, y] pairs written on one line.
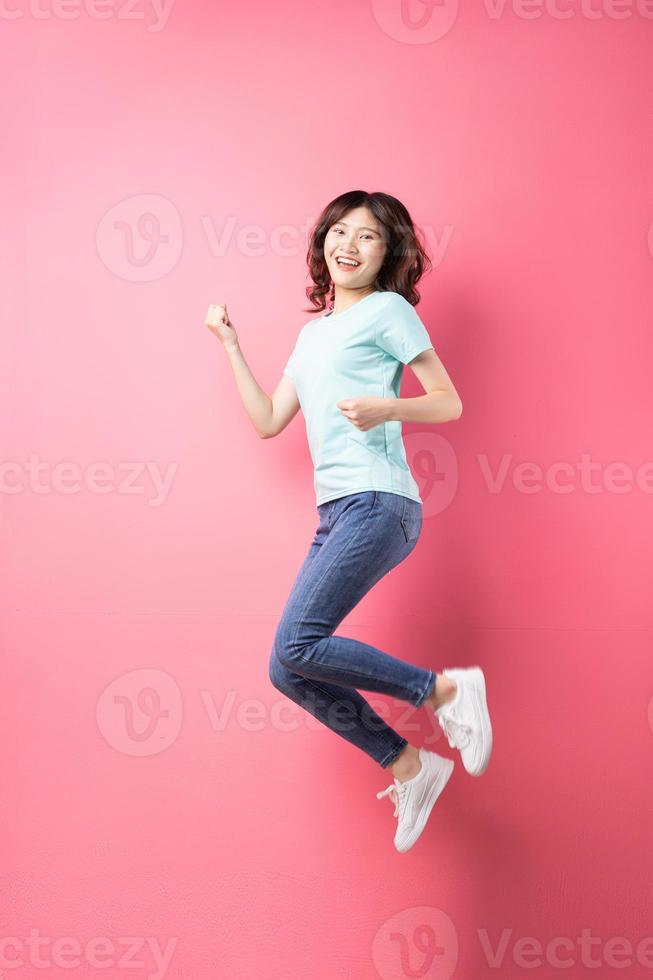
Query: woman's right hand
[[218, 322]]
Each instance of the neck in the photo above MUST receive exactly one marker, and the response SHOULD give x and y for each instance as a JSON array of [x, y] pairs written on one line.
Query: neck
[[344, 298]]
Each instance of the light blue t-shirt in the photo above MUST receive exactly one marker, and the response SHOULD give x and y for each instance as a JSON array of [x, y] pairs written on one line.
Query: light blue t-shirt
[[360, 351]]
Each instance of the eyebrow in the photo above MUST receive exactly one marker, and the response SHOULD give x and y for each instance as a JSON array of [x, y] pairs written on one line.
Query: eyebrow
[[362, 227]]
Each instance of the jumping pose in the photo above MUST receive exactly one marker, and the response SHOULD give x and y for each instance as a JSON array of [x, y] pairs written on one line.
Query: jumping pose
[[345, 374]]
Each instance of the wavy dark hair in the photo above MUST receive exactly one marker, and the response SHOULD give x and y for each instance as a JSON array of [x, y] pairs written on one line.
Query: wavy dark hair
[[405, 260]]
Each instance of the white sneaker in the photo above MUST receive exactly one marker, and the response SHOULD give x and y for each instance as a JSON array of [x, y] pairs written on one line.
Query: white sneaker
[[415, 798], [465, 719]]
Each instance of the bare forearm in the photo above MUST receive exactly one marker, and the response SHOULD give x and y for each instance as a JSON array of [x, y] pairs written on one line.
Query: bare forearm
[[257, 404], [435, 406]]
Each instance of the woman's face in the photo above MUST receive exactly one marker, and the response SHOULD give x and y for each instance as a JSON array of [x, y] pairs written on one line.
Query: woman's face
[[360, 237]]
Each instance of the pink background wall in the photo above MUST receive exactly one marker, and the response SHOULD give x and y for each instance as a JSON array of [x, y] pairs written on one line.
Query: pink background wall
[[156, 785]]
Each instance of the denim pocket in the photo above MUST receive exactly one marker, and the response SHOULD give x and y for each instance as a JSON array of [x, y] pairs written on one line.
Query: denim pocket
[[411, 520], [412, 527]]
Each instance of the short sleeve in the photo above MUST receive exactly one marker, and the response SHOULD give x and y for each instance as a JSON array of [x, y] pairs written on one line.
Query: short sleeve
[[400, 331]]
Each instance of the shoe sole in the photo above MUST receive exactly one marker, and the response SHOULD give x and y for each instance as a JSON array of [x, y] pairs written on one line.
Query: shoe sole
[[480, 698], [439, 784]]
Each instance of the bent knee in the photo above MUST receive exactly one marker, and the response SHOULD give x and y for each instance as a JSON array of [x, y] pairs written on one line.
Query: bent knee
[[285, 650], [282, 660], [276, 670]]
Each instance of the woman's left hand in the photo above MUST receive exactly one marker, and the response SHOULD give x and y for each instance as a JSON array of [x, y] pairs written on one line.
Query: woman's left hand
[[365, 412]]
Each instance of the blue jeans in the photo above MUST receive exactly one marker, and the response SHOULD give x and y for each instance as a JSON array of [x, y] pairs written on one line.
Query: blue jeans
[[359, 538]]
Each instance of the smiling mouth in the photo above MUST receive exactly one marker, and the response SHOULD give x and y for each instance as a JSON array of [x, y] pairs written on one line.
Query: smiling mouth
[[347, 263]]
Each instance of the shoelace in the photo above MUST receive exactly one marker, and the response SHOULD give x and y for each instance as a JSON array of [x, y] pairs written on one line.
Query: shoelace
[[458, 734], [397, 793]]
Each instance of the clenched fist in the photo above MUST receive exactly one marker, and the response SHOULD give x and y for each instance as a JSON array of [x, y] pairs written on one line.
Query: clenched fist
[[218, 322], [366, 411]]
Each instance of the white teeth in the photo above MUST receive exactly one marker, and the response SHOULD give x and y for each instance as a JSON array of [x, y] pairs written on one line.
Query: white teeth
[[347, 261]]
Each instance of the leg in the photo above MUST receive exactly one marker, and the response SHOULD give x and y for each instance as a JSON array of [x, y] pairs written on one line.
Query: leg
[[360, 538], [341, 709], [365, 540]]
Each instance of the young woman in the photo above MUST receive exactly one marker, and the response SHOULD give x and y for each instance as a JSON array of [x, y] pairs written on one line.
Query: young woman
[[345, 374]]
